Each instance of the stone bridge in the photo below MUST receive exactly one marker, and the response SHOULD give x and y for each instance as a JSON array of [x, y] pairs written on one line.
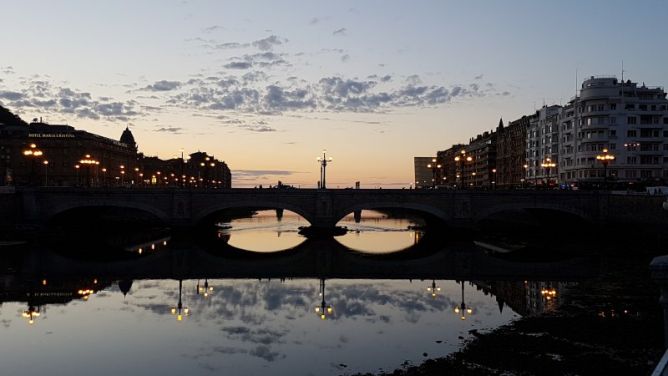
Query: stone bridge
[[324, 208]]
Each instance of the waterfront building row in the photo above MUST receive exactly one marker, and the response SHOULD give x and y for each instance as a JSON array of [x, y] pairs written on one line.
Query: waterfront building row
[[38, 153], [613, 132]]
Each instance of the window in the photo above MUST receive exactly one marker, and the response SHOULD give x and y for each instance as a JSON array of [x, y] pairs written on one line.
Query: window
[[601, 107], [631, 173], [613, 106], [613, 133], [631, 160], [613, 120], [631, 120], [631, 133], [613, 146]]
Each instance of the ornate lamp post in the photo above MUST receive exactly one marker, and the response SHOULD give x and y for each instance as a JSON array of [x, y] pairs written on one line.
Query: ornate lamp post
[[324, 309], [30, 314], [547, 165], [205, 290], [605, 158], [433, 289], [462, 309], [46, 172], [434, 168], [323, 168], [88, 163], [460, 160], [33, 154], [493, 178], [180, 311]]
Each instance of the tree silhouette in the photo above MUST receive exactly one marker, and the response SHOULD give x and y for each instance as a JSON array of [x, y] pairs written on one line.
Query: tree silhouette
[[8, 118]]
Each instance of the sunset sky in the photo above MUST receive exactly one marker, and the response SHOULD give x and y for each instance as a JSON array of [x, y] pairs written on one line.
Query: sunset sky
[[266, 85]]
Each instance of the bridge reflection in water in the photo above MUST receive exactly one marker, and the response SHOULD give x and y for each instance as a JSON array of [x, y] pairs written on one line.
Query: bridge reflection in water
[[255, 310]]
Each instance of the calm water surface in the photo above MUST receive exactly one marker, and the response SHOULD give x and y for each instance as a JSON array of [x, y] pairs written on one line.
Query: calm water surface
[[375, 233], [66, 326]]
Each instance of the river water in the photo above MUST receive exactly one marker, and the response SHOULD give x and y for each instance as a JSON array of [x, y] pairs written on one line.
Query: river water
[[64, 316]]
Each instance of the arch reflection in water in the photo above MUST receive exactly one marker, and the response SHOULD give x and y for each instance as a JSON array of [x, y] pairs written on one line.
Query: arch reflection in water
[[266, 231], [375, 232]]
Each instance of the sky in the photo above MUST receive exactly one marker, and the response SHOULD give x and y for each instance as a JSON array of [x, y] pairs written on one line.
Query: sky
[[267, 85]]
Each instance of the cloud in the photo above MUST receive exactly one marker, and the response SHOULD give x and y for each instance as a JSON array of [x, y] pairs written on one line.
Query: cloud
[[213, 28], [345, 58], [314, 21], [268, 43], [11, 95], [255, 173], [173, 130], [258, 128], [163, 85], [341, 31], [478, 77], [333, 93], [238, 65], [40, 95]]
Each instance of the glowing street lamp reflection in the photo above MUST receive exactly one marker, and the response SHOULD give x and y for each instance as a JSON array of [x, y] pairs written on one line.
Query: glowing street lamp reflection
[[180, 311], [462, 310], [433, 289], [324, 309]]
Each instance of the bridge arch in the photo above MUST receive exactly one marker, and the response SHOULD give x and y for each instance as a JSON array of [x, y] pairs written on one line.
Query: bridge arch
[[63, 208], [199, 217], [567, 209], [377, 205]]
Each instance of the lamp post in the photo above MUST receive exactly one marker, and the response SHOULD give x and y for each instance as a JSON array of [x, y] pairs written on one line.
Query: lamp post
[[183, 167], [547, 165], [433, 289], [180, 311], [605, 158], [460, 160], [324, 309], [205, 290], [32, 153], [323, 168], [76, 169], [462, 309], [494, 178], [30, 314], [88, 163], [46, 172], [434, 168], [525, 166], [122, 175]]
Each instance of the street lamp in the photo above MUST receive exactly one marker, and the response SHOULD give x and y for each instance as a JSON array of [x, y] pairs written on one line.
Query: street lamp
[[324, 309], [605, 158], [434, 167], [323, 167], [460, 160], [31, 313], [433, 289], [462, 309], [493, 178], [205, 290], [180, 311], [88, 162], [33, 153], [547, 165], [46, 172], [525, 166]]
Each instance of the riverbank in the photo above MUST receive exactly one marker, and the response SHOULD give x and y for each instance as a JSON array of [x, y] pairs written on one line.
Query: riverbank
[[611, 325]]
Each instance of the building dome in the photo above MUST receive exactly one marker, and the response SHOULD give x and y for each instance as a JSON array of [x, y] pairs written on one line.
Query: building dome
[[128, 139]]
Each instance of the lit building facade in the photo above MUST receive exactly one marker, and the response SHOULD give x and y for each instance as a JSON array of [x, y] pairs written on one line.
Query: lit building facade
[[542, 146], [627, 120]]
